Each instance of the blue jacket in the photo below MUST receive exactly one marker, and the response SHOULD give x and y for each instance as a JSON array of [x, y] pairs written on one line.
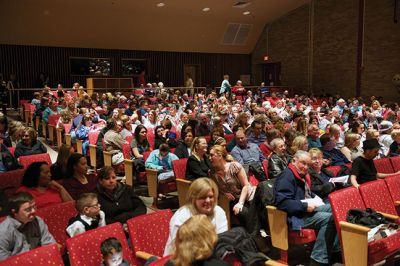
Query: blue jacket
[[289, 191], [155, 162]]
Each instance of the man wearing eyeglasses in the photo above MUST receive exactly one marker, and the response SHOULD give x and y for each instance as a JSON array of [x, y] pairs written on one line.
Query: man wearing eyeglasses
[[22, 230]]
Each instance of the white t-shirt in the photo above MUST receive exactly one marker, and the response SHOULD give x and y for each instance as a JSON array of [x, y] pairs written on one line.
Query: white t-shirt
[[183, 214]]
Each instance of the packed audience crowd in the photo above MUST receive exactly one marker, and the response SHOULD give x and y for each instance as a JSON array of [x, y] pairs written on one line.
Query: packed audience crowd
[[227, 138]]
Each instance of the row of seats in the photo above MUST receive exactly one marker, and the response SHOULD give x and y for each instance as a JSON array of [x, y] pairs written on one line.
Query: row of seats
[[381, 195]]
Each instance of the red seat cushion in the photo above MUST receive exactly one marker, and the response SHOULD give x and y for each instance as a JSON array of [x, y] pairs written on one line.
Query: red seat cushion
[[301, 237], [379, 249]]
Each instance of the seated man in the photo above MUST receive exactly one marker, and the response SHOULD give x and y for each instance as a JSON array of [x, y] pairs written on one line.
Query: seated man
[[161, 160], [256, 134], [332, 156], [363, 169], [22, 230], [292, 195], [313, 136], [278, 161], [249, 155]]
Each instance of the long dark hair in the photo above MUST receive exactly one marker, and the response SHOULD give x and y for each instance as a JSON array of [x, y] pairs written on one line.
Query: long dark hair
[[137, 133], [72, 161], [32, 175], [156, 134]]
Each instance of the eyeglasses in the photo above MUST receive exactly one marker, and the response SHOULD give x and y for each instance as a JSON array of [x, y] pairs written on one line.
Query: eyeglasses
[[97, 205], [30, 209]]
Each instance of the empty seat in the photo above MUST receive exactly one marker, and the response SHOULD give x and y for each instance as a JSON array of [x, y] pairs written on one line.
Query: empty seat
[[27, 160], [41, 256]]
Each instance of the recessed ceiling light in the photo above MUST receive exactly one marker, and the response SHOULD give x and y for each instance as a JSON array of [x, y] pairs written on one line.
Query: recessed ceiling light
[[246, 13], [160, 4], [206, 9]]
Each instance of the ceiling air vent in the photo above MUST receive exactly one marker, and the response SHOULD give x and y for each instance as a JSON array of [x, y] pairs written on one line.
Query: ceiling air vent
[[236, 34], [241, 4]]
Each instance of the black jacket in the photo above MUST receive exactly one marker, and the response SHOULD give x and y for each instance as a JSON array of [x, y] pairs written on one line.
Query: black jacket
[[122, 205], [196, 168], [22, 150], [318, 185], [276, 165], [182, 151], [237, 240]]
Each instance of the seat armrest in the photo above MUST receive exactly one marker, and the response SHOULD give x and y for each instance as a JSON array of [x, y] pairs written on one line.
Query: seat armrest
[[278, 227], [354, 243], [273, 263], [397, 203], [144, 255], [224, 203], [182, 186], [79, 148], [107, 158], [152, 183], [128, 166], [389, 216], [92, 154]]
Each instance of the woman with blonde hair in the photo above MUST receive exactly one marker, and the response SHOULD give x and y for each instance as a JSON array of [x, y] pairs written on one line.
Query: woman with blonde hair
[[232, 181], [201, 198], [299, 143], [29, 144], [194, 244], [15, 131], [198, 164], [350, 148]]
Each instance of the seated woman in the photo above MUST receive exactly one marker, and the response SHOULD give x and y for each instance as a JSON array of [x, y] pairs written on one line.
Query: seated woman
[[15, 133], [37, 181], [151, 121], [117, 200], [29, 144], [50, 110], [300, 143], [199, 234], [77, 181], [320, 184], [159, 136], [217, 132], [161, 160], [139, 145], [59, 168], [202, 198], [183, 150], [198, 164], [278, 160], [233, 182], [351, 146], [126, 126]]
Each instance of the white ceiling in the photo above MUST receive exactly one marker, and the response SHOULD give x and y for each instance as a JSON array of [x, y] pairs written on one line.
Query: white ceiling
[[180, 25]]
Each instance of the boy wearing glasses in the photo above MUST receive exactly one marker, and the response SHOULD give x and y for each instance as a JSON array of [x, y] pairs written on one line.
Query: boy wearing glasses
[[90, 216], [22, 230]]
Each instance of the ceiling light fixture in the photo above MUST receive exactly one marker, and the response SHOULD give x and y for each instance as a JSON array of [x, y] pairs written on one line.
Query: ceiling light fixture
[[160, 4], [206, 9], [246, 13]]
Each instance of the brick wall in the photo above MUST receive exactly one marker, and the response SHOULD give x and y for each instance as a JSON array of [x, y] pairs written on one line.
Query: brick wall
[[333, 63], [288, 44], [381, 50]]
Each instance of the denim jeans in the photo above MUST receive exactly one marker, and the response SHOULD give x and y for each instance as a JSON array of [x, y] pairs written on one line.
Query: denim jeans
[[327, 242]]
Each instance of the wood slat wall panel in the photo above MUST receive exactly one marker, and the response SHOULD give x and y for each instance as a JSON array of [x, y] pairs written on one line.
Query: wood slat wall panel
[[29, 61]]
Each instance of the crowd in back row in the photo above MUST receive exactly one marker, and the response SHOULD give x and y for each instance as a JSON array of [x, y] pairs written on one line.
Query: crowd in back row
[[300, 136]]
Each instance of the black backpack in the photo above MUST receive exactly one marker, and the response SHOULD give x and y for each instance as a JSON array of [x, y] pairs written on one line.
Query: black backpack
[[368, 217], [264, 196]]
